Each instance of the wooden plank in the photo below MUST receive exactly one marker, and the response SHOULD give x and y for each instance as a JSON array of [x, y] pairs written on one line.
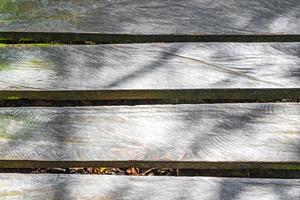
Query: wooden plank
[[192, 133], [60, 186], [152, 17], [151, 66]]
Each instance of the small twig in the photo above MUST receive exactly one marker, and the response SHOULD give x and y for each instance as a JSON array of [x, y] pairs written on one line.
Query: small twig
[[148, 171]]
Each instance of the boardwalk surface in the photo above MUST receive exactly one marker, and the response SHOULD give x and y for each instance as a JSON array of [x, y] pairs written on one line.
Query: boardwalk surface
[[205, 132], [153, 17], [80, 82], [151, 66], [52, 186]]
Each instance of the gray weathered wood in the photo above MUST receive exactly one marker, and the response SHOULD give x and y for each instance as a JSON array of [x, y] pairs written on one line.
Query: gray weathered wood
[[204, 132], [59, 186], [151, 66], [152, 17]]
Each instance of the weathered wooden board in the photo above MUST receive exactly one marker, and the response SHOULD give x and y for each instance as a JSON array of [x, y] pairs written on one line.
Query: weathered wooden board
[[203, 132], [152, 17], [151, 66], [59, 186]]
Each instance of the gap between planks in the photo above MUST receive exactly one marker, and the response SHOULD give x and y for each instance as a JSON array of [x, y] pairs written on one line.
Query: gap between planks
[[152, 164], [139, 97], [288, 170], [9, 37]]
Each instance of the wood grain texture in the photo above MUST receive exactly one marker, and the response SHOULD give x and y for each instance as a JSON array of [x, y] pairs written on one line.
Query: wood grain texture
[[54, 186], [152, 17], [151, 66], [204, 132]]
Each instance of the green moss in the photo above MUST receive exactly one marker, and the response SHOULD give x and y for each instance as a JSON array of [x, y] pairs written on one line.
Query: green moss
[[43, 44], [13, 97], [283, 166], [25, 39], [2, 45], [6, 118], [3, 132], [4, 66], [33, 12], [4, 136], [293, 167]]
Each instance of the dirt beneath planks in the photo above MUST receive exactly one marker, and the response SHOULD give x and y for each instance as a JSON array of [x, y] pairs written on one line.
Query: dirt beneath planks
[[133, 171], [101, 171]]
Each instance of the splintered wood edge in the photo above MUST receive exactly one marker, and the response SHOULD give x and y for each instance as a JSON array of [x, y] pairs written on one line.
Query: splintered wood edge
[[186, 95], [153, 164], [100, 38]]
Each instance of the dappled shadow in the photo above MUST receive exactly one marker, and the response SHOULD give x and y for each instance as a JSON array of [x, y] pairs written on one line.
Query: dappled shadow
[[164, 56], [75, 66], [121, 187], [181, 17], [155, 17], [231, 189], [292, 60], [85, 67], [151, 66], [295, 73], [230, 125], [34, 135]]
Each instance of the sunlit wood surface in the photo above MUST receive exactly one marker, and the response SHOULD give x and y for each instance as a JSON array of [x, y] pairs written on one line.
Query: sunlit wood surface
[[152, 17], [203, 132], [150, 66], [53, 186], [187, 63]]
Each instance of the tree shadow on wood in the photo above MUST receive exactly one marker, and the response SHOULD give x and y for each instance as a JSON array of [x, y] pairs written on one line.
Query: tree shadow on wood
[[228, 124], [231, 189], [165, 56]]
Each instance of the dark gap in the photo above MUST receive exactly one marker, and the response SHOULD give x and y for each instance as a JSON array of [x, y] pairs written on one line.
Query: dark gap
[[99, 38], [141, 97], [229, 165], [130, 102], [134, 171]]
